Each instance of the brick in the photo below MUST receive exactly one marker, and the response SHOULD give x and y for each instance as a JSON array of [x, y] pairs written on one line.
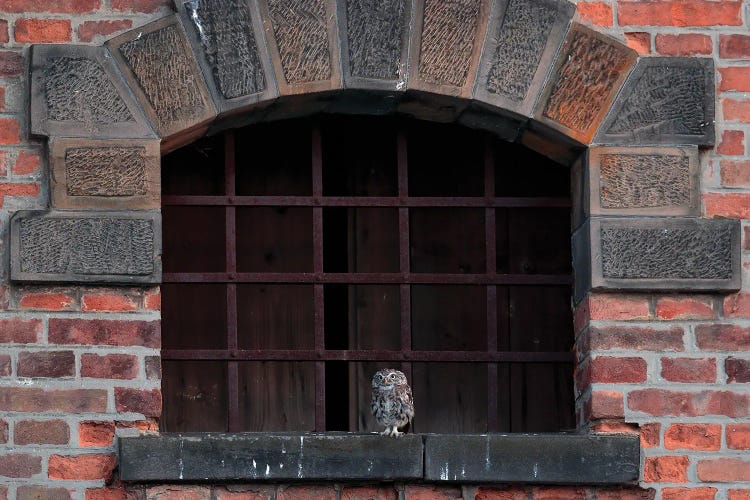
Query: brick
[[724, 470], [95, 466], [649, 434], [687, 44], [737, 370], [145, 402], [598, 13], [95, 434], [735, 78], [46, 301], [684, 308], [704, 437], [605, 369], [604, 404], [20, 331], [625, 494], [734, 46], [145, 6], [413, 492], [636, 338], [107, 302], [689, 370], [556, 493], [28, 492], [3, 170], [245, 493], [738, 495], [42, 30], [679, 13], [4, 33], [511, 493], [5, 366], [369, 493], [27, 163], [18, 189], [11, 64], [732, 143], [152, 300], [140, 425], [58, 6], [639, 41], [666, 469], [178, 493], [618, 307], [688, 494], [41, 432], [735, 173], [736, 109], [89, 30], [46, 364], [19, 465], [660, 402], [738, 436], [115, 366], [34, 399], [153, 367], [111, 494], [722, 337], [10, 131], [3, 163], [4, 432], [104, 332]]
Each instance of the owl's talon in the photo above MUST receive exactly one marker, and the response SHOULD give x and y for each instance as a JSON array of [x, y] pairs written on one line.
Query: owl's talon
[[396, 433], [386, 432]]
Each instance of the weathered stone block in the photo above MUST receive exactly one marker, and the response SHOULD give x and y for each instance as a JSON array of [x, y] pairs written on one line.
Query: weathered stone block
[[273, 457], [76, 91], [646, 181], [522, 39], [532, 458], [111, 174], [159, 65], [303, 40], [657, 254], [375, 43], [666, 100], [587, 76], [446, 45], [80, 247], [228, 41]]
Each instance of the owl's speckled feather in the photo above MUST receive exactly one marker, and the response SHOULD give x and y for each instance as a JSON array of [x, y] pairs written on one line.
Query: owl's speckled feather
[[392, 404]]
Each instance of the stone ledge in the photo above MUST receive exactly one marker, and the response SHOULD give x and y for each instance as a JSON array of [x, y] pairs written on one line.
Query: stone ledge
[[522, 458]]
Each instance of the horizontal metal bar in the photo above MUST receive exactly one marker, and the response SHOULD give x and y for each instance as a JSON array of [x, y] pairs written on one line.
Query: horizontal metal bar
[[370, 278], [369, 201], [359, 355]]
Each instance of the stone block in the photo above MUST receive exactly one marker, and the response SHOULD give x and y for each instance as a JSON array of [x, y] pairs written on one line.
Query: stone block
[[230, 46], [271, 457], [523, 37], [552, 143], [585, 80], [374, 37], [111, 174], [666, 100], [76, 91], [160, 66], [532, 458], [657, 254], [446, 44], [81, 247], [643, 181], [503, 125], [303, 40]]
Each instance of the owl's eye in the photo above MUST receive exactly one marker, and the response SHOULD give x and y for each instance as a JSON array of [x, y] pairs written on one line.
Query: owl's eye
[[392, 376]]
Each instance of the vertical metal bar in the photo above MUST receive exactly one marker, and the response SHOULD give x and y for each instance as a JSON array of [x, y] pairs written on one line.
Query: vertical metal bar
[[318, 290], [403, 247], [233, 423], [491, 264]]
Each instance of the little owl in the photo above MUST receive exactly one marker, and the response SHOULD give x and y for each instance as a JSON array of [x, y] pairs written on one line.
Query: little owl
[[392, 404]]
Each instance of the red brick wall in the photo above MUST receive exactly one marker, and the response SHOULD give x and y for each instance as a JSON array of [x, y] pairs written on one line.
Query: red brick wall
[[79, 365]]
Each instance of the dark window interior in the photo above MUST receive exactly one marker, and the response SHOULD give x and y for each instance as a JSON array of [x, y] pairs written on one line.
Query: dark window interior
[[302, 256]]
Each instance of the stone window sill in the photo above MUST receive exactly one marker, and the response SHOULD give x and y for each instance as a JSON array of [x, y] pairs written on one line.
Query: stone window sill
[[596, 459]]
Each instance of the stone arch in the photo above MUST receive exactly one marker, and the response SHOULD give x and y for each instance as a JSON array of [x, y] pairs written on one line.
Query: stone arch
[[522, 69]]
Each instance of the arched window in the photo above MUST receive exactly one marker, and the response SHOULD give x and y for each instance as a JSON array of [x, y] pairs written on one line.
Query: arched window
[[301, 256]]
